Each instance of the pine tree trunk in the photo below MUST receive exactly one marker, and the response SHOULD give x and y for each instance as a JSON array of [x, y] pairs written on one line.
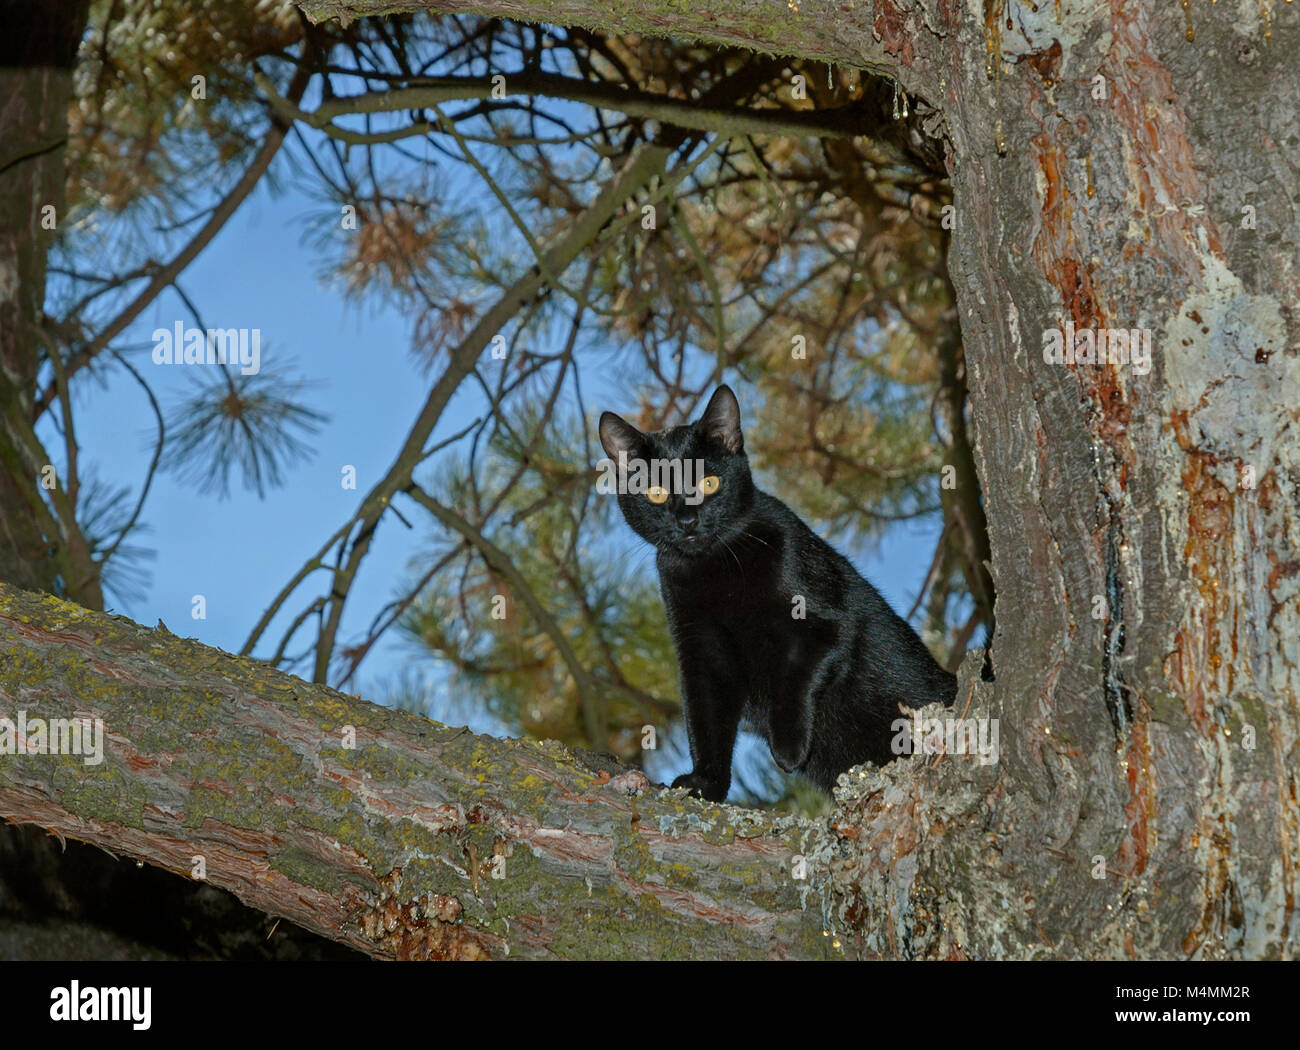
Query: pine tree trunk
[[37, 49]]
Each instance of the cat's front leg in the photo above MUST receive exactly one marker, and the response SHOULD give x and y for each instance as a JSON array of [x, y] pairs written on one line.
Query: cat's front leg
[[794, 713], [791, 732], [713, 706]]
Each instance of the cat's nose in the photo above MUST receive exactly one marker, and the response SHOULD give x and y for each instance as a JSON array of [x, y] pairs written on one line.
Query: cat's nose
[[687, 521]]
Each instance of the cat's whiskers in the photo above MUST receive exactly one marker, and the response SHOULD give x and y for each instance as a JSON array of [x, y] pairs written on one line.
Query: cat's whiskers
[[746, 534], [734, 555]]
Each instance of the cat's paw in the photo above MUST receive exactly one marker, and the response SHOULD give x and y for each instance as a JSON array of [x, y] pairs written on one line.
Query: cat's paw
[[702, 787], [790, 752]]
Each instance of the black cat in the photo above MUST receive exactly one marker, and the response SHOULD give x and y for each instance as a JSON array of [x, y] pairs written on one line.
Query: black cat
[[770, 623]]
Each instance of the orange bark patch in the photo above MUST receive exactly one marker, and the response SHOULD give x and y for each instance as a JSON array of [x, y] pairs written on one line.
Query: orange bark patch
[[1054, 246], [423, 929], [1161, 166], [1192, 669], [1141, 806], [892, 31], [1046, 63]]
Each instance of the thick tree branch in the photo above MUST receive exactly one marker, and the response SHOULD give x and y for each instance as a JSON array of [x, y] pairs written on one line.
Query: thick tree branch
[[420, 842], [847, 34], [840, 122]]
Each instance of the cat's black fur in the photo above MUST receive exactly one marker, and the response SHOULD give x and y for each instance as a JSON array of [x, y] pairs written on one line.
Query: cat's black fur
[[824, 689]]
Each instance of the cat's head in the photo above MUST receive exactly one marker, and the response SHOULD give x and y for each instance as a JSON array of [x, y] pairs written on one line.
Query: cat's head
[[687, 489]]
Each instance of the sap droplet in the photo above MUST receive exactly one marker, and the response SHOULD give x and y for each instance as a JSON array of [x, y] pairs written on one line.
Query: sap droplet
[[899, 93]]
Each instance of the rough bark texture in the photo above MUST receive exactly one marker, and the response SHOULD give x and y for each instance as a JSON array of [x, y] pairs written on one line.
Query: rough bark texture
[[420, 842], [1144, 527], [37, 51], [1147, 598]]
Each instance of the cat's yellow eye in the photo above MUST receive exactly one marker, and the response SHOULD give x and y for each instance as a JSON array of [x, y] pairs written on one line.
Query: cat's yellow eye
[[657, 494], [709, 485]]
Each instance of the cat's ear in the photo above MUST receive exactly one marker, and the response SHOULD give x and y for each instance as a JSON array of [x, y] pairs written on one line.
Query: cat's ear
[[721, 420], [618, 435]]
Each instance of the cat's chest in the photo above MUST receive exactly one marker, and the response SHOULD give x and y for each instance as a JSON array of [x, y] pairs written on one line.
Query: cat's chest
[[738, 611], [738, 597]]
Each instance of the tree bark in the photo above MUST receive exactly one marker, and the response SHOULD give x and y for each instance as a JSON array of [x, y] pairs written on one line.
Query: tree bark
[[37, 51], [420, 842], [1114, 166], [1147, 582]]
